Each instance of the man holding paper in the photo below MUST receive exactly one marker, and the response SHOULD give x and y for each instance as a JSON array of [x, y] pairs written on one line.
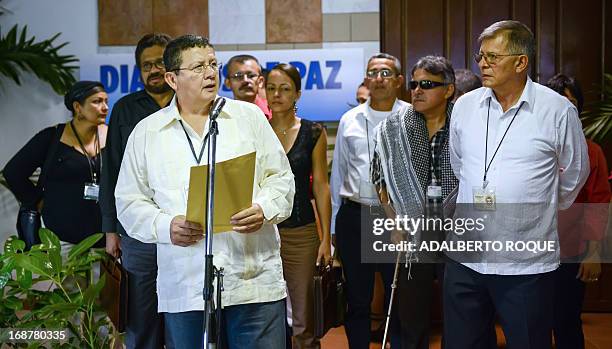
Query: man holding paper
[[152, 192]]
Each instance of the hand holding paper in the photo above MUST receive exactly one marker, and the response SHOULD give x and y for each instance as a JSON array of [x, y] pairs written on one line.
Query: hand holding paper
[[185, 233], [249, 220]]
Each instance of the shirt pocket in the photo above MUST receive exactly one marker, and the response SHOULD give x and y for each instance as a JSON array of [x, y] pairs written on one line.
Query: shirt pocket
[[165, 173]]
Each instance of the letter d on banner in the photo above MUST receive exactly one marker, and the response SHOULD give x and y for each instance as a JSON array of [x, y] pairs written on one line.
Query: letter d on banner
[[109, 77]]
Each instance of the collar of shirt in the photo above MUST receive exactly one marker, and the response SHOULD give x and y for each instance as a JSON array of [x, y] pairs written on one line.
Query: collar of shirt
[[527, 96], [171, 113], [363, 111]]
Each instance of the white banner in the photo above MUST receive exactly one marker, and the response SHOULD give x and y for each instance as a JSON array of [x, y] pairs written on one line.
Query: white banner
[[330, 77]]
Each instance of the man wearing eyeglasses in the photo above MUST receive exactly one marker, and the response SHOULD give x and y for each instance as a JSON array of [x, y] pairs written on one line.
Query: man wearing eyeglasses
[[418, 134], [519, 153], [245, 80], [352, 188], [151, 199], [144, 328]]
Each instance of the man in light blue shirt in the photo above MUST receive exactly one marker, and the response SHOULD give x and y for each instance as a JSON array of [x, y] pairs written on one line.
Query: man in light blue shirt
[[519, 153]]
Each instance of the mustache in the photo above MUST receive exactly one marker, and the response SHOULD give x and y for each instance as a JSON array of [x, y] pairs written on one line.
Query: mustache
[[153, 76], [247, 85]]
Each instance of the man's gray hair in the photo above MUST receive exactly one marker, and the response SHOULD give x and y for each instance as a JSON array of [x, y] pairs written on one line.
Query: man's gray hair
[[436, 65], [396, 62], [519, 38]]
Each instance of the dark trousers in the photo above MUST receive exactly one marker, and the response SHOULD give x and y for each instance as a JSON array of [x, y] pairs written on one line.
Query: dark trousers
[[359, 278], [414, 298], [145, 326], [569, 294], [524, 305]]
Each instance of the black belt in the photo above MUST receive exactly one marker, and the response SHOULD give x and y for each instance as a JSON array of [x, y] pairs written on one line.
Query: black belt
[[350, 203]]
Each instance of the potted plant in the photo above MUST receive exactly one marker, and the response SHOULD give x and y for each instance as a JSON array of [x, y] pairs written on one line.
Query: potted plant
[[598, 116], [40, 289]]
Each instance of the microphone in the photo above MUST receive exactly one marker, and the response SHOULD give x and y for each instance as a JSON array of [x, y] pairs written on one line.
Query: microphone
[[216, 108]]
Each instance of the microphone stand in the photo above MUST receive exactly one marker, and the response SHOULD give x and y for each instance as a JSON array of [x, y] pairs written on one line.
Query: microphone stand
[[212, 318]]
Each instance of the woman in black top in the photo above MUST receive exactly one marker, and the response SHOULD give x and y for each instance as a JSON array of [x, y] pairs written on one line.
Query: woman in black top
[[305, 143], [68, 202]]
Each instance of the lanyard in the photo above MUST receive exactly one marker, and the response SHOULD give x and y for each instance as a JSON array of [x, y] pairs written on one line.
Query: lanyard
[[90, 160], [487, 167], [197, 158]]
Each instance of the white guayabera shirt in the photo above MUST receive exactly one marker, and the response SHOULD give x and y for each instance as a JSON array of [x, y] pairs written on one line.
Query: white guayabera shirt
[[543, 159], [152, 189], [353, 153]]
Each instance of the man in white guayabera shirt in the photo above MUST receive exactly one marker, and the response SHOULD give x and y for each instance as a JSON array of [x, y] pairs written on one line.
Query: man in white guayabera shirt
[[519, 153], [151, 197], [351, 188]]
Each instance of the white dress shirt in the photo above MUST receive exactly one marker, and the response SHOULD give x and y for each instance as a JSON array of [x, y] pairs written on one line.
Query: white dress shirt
[[152, 188], [351, 161], [543, 159]]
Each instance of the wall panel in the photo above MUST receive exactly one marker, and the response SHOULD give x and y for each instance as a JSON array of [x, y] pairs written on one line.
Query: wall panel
[[293, 21], [123, 22], [171, 17]]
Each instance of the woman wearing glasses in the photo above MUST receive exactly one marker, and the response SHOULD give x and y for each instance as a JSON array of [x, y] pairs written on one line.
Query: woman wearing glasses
[[69, 156], [305, 143]]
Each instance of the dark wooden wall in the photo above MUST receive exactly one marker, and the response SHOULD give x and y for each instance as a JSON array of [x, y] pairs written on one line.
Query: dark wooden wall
[[573, 37]]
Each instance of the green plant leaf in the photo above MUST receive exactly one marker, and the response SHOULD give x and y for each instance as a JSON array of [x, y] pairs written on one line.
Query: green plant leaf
[[34, 345], [92, 292], [49, 239], [4, 279], [83, 246], [17, 53], [8, 264], [13, 303], [61, 308], [597, 116], [33, 263], [24, 278], [13, 245], [52, 243]]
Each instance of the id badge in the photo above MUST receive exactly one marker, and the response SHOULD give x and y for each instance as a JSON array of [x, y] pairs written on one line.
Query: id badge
[[367, 190], [91, 191], [434, 192], [484, 199]]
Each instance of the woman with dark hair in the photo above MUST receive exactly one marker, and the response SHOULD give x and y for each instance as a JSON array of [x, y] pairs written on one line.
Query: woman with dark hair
[[305, 143], [569, 87], [581, 229], [68, 199]]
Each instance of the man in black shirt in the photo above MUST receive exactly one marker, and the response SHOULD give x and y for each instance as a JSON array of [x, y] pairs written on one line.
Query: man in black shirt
[[144, 324]]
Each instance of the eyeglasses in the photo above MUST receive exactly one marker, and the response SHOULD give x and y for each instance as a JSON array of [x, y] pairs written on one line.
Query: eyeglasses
[[200, 68], [239, 76], [147, 66], [492, 58], [425, 84], [384, 73]]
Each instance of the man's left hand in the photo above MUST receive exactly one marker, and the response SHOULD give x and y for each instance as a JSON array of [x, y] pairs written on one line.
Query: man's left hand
[[248, 221]]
